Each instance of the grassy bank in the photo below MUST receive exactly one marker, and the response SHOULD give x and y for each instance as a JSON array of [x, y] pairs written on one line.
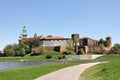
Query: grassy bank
[[42, 57], [106, 71], [32, 72]]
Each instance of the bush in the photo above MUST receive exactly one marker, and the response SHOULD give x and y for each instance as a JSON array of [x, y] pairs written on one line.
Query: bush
[[61, 57], [68, 52], [116, 48], [81, 51], [35, 54], [49, 56]]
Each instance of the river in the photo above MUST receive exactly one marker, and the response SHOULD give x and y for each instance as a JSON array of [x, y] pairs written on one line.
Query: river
[[14, 65]]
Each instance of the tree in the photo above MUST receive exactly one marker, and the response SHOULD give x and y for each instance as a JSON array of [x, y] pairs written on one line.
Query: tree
[[81, 42], [9, 52], [1, 54], [35, 42], [116, 48], [102, 49], [26, 48], [17, 53], [101, 41], [15, 47], [22, 52], [41, 49], [106, 43], [81, 51], [70, 50], [70, 42]]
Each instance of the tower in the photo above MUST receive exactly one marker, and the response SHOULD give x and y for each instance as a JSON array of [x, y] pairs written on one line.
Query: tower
[[75, 38], [24, 32], [108, 38]]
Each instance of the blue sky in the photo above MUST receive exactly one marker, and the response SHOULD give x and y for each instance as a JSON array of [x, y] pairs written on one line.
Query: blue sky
[[93, 18]]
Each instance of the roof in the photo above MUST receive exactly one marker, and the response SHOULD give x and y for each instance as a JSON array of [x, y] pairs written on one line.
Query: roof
[[53, 38], [88, 38]]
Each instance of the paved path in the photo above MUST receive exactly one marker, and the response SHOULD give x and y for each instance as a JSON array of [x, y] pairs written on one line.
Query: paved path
[[70, 73]]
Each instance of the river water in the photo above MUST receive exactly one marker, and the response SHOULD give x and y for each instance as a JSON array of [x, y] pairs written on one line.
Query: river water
[[14, 65]]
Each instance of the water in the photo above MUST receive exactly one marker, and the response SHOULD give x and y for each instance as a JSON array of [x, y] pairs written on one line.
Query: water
[[14, 65]]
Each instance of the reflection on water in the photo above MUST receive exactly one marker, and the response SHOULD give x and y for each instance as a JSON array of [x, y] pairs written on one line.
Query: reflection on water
[[13, 65]]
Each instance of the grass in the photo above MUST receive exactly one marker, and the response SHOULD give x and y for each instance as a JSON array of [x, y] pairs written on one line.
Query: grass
[[42, 57], [105, 71], [31, 73]]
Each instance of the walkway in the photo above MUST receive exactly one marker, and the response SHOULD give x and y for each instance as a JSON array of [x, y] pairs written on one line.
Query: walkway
[[70, 73]]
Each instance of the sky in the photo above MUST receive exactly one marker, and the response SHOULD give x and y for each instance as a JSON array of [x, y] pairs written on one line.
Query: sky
[[92, 18]]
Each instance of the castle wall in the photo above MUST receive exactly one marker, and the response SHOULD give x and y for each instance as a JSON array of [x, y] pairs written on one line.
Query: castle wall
[[55, 43]]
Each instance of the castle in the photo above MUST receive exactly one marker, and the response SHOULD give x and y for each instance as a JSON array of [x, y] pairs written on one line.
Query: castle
[[59, 43]]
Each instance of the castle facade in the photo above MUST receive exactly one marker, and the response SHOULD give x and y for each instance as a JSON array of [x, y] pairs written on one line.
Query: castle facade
[[59, 43]]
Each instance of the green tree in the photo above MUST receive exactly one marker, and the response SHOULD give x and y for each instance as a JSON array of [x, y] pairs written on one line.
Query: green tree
[[101, 41], [22, 52], [116, 48], [81, 51], [102, 49], [106, 43], [70, 50], [9, 52], [1, 54], [35, 42], [26, 48], [41, 49], [17, 53]]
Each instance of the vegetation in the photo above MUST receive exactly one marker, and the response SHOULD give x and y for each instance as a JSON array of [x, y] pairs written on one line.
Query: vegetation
[[116, 49], [28, 57], [8, 51], [49, 56], [105, 71], [106, 43], [31, 73], [102, 49], [70, 50], [81, 51]]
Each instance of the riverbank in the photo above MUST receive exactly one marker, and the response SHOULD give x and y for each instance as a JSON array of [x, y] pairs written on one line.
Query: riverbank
[[47, 56], [30, 73], [106, 71]]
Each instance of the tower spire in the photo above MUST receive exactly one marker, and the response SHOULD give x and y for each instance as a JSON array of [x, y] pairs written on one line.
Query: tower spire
[[24, 32]]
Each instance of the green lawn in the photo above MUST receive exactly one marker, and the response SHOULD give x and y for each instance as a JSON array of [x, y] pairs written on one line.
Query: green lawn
[[105, 71], [31, 73], [42, 57]]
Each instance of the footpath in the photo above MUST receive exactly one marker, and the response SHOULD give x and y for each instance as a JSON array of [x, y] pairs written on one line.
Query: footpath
[[70, 73]]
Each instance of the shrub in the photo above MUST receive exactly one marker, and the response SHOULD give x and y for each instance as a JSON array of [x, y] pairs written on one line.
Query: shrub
[[68, 52], [81, 51], [35, 54], [61, 57], [9, 52], [49, 56]]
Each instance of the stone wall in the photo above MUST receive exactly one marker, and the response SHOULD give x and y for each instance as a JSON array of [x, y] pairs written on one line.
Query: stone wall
[[54, 43], [81, 57]]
